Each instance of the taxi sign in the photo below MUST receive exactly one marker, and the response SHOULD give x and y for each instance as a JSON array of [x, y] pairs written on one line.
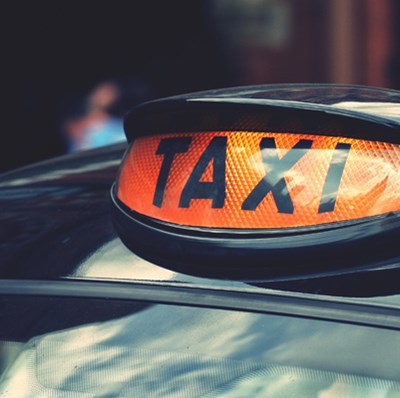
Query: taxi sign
[[257, 180], [217, 179]]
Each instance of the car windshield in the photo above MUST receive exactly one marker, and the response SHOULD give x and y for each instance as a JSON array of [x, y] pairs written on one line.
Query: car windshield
[[107, 349]]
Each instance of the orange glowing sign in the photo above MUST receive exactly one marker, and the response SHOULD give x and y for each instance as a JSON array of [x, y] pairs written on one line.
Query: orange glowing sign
[[248, 180]]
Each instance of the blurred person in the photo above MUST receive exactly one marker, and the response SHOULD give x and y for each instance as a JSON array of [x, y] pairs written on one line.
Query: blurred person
[[97, 126], [101, 122]]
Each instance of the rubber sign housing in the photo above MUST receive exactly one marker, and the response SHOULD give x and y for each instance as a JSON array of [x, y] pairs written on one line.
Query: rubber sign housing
[[263, 182]]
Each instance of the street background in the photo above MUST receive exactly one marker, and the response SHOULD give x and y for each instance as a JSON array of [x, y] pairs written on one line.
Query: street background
[[69, 66]]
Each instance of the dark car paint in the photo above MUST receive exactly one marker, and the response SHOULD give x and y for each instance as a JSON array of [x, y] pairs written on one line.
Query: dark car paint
[[55, 214]]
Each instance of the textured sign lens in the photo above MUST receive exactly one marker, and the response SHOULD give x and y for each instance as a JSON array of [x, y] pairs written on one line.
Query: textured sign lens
[[247, 180]]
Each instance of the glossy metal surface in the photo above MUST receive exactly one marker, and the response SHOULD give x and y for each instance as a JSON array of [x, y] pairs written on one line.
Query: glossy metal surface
[[375, 106]]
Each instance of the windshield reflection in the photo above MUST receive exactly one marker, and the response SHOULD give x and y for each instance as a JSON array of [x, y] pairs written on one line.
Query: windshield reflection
[[167, 351]]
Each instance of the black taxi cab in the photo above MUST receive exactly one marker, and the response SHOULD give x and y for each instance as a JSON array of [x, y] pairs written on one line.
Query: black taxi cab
[[243, 244]]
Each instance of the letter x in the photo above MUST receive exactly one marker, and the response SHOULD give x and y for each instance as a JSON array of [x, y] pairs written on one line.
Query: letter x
[[275, 170]]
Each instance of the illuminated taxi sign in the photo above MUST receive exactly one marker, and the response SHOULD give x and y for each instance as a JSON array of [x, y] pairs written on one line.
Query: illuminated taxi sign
[[250, 180], [259, 184]]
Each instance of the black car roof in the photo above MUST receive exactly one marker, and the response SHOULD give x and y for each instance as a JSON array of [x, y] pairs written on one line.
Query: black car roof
[[58, 239]]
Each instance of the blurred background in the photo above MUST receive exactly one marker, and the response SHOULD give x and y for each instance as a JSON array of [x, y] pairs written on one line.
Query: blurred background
[[71, 70]]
